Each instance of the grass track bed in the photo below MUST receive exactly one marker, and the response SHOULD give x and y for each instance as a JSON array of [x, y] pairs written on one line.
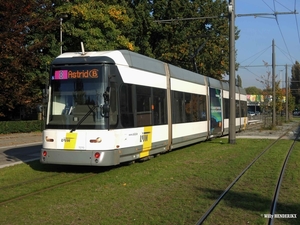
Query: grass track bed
[[175, 188], [251, 197]]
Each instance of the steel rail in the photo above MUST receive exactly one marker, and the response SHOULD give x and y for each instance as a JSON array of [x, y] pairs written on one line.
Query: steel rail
[[277, 189], [47, 188], [212, 207]]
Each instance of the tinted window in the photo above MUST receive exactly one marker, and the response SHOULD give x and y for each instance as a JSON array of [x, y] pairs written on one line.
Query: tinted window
[[126, 106]]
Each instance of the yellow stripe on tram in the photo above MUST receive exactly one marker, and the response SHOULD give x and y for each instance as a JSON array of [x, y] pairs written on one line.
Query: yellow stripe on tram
[[70, 141], [146, 138], [245, 123]]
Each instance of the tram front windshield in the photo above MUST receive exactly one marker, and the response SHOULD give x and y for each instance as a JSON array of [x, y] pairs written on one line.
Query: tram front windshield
[[77, 97]]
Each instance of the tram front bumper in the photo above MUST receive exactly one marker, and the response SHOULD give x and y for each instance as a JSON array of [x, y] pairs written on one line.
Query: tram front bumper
[[80, 157]]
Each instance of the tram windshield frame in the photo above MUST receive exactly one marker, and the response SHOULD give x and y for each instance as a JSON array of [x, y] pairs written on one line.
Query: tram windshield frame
[[76, 90]]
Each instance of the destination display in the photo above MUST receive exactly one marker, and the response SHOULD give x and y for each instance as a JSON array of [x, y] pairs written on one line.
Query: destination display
[[75, 74]]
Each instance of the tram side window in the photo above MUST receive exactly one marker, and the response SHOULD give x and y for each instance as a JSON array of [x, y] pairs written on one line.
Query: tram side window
[[226, 108], [126, 106], [177, 108], [202, 107], [143, 106], [244, 108], [159, 106], [237, 106], [188, 107], [113, 117]]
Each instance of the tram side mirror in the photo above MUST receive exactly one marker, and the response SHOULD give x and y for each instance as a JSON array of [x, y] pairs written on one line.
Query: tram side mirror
[[105, 110], [45, 95], [106, 95], [39, 108], [105, 107]]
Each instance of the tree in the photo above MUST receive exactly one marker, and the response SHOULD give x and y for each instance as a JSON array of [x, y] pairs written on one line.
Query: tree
[[142, 25], [198, 45], [101, 25], [29, 35], [267, 92], [239, 82], [253, 91], [24, 33], [279, 98], [295, 82], [291, 102]]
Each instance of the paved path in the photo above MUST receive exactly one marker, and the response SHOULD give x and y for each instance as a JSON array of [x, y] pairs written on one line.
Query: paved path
[[19, 148], [256, 132], [17, 139]]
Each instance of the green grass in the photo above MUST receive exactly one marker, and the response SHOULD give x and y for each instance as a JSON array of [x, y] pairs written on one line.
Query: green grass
[[175, 188], [252, 196], [289, 199]]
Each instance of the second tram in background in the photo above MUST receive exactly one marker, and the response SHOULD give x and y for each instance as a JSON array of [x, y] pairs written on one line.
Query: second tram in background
[[110, 107]]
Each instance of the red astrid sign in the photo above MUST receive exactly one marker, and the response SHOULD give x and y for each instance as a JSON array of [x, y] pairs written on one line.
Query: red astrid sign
[[69, 74]]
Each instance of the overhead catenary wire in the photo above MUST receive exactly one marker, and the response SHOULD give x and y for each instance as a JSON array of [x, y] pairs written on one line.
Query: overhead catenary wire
[[297, 26], [286, 55], [284, 41], [273, 6], [280, 30], [285, 6], [259, 54], [268, 5]]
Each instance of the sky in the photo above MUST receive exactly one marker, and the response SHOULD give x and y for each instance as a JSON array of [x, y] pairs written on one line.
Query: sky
[[254, 46]]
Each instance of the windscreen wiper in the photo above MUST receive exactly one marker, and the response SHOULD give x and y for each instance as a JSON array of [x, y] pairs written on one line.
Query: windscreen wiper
[[84, 117]]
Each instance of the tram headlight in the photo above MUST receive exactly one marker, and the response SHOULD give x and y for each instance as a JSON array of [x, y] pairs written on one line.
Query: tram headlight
[[48, 139], [97, 140]]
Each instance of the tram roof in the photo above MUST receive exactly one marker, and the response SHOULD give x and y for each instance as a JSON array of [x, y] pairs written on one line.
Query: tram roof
[[131, 59]]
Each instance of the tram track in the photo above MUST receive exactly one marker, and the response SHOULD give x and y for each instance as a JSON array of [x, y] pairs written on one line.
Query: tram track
[[277, 189], [27, 182], [44, 189]]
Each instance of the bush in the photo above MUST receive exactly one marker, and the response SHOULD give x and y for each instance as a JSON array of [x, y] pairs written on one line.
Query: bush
[[7, 127]]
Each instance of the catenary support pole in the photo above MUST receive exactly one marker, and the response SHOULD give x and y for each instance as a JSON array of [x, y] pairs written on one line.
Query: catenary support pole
[[273, 85], [232, 113], [286, 95], [60, 34]]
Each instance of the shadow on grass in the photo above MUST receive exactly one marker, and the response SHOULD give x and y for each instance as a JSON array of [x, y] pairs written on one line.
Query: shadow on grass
[[253, 202], [36, 165]]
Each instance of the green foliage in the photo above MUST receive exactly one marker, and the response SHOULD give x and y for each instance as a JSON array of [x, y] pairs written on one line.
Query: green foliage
[[291, 102], [7, 127], [279, 98], [197, 44], [239, 82], [25, 31], [100, 25], [295, 84], [253, 91], [32, 38]]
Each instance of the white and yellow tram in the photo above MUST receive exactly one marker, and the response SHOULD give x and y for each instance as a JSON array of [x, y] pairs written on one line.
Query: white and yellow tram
[[110, 107]]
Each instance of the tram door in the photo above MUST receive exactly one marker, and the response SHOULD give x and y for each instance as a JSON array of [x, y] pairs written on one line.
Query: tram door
[[215, 111]]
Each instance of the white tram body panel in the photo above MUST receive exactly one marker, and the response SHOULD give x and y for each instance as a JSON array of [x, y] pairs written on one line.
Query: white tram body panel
[[226, 120], [244, 117], [238, 119], [134, 76], [180, 85]]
